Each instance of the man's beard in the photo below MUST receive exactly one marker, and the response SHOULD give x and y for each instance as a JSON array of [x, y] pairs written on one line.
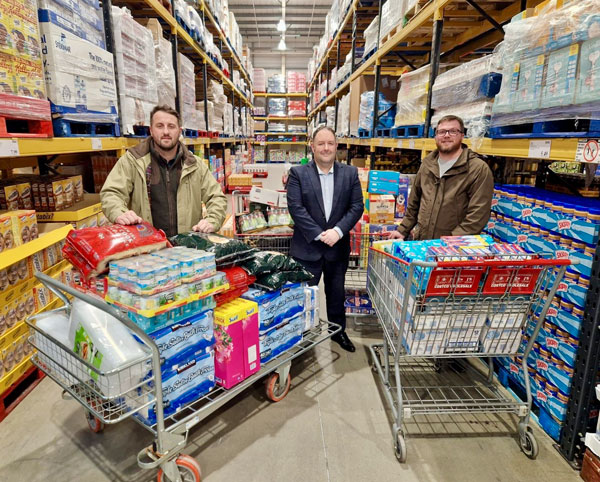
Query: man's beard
[[167, 144]]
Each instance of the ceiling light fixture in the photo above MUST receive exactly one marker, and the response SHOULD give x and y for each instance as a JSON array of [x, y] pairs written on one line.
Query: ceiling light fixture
[[282, 45], [281, 25]]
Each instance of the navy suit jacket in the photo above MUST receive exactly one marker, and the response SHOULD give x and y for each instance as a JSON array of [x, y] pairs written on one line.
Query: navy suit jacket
[[305, 203]]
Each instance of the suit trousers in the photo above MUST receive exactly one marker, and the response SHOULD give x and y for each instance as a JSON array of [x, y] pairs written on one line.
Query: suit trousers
[[334, 274]]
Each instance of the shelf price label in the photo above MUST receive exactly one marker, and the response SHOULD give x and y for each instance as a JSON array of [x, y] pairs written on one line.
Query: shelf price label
[[400, 144], [540, 149], [411, 144], [96, 144], [588, 150], [380, 142], [9, 147]]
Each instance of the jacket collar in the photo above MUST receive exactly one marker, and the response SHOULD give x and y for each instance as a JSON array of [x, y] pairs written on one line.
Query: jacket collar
[[430, 162]]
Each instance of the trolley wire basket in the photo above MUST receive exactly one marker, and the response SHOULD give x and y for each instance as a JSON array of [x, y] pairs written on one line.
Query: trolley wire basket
[[432, 311], [266, 241]]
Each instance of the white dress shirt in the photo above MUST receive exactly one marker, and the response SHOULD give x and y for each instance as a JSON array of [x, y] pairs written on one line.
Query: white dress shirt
[[326, 179]]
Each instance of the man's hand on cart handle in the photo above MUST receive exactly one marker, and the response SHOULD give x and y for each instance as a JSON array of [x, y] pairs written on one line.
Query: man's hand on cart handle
[[330, 237], [128, 217], [396, 235], [204, 226]]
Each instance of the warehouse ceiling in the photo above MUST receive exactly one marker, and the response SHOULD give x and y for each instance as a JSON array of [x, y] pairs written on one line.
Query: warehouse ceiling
[[257, 19]]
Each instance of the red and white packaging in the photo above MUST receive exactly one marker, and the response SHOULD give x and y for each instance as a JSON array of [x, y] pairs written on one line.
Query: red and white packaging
[[91, 249]]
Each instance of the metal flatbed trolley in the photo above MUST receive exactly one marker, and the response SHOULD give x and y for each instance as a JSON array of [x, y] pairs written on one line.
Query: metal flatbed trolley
[[264, 241], [83, 382], [433, 311]]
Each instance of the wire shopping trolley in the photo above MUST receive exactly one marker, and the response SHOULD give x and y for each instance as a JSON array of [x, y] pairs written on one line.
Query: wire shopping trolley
[[115, 395], [433, 311], [268, 241], [357, 303]]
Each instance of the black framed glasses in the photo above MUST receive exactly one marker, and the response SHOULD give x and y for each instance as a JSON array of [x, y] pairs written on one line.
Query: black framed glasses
[[450, 132]]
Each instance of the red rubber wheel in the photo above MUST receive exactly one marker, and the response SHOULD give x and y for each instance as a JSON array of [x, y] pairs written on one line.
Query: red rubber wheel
[[96, 425], [275, 390], [189, 470]]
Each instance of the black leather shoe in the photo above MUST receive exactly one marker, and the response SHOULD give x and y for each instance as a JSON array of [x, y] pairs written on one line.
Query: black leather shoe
[[343, 340]]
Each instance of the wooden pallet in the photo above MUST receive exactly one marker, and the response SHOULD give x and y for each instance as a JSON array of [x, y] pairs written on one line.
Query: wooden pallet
[[414, 10], [11, 126], [391, 33], [15, 394]]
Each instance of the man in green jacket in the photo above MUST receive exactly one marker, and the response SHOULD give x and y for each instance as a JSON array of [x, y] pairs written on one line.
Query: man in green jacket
[[452, 192], [160, 181]]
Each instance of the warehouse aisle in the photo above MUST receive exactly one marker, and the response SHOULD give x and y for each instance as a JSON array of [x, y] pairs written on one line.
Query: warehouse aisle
[[332, 426]]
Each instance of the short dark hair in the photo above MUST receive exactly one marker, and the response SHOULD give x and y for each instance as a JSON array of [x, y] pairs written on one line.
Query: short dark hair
[[322, 128], [167, 110], [450, 118]]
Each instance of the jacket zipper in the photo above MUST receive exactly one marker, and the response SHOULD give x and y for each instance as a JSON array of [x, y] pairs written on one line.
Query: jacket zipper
[[170, 203]]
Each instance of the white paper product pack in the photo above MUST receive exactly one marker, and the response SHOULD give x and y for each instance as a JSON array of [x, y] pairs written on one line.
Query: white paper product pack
[[187, 91], [79, 75]]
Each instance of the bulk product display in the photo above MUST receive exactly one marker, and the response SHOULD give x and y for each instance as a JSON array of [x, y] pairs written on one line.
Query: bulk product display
[[567, 226], [457, 297], [158, 334]]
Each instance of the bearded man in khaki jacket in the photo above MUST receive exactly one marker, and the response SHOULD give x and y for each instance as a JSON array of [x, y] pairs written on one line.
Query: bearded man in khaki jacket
[[160, 181], [452, 192]]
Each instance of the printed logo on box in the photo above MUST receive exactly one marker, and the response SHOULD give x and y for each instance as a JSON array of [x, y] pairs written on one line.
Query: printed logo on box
[[561, 254], [491, 225], [522, 238], [552, 312], [514, 368], [494, 202], [562, 287], [552, 342], [541, 365], [526, 212], [564, 224], [541, 396]]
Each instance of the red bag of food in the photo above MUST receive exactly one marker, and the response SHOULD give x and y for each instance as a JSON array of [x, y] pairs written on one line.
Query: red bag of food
[[91, 249]]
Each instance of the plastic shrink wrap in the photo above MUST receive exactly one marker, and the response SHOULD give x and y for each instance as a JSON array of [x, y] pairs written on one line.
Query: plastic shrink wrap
[[219, 99], [343, 121], [386, 111], [187, 91], [277, 106], [136, 69], [551, 66], [411, 104], [392, 13], [370, 36], [276, 84], [330, 115]]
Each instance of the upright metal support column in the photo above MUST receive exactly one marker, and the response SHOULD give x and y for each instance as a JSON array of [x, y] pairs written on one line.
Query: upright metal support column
[[379, 24], [587, 364], [337, 99], [375, 105], [354, 27], [174, 48], [436, 45], [205, 93]]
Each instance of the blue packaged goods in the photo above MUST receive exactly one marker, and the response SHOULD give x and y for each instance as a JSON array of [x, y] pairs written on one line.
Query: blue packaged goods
[[385, 176], [281, 338], [384, 187], [275, 307], [153, 323]]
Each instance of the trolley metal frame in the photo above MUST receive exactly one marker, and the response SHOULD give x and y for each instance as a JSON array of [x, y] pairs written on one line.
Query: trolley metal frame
[[431, 312], [356, 275], [82, 381], [277, 242]]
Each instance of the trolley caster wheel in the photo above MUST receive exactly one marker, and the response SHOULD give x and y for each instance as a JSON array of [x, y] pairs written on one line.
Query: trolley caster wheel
[[275, 390], [400, 447], [96, 425], [189, 470], [529, 444]]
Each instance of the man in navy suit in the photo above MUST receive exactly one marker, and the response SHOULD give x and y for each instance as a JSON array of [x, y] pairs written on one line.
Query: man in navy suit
[[325, 201]]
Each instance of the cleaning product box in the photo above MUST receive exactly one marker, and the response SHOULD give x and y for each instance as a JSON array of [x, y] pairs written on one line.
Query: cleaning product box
[[383, 187], [531, 74], [80, 76], [561, 77], [236, 349], [281, 338], [588, 85]]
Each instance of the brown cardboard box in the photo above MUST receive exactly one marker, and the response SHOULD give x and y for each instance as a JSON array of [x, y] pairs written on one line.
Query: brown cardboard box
[[11, 194], [25, 200], [359, 162], [7, 240], [68, 192], [389, 88], [153, 25], [77, 188]]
